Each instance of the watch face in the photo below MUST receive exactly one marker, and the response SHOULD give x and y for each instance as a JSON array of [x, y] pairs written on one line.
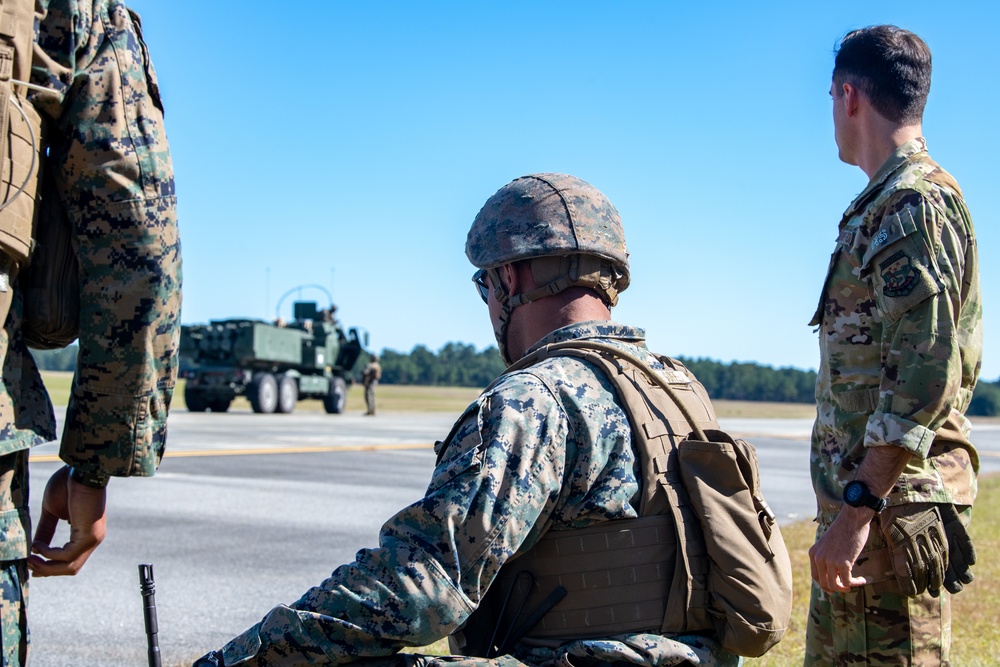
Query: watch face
[[853, 492]]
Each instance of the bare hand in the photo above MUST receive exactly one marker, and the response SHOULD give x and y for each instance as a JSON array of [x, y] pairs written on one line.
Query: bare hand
[[84, 509], [834, 554]]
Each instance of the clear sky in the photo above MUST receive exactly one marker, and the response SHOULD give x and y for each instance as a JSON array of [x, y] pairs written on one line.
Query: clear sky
[[350, 145]]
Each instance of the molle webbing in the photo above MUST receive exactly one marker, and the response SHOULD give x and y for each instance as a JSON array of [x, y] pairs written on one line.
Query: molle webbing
[[615, 575]]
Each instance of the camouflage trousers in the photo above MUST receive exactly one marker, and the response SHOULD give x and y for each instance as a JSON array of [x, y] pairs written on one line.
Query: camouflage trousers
[[637, 650], [14, 636], [370, 397], [868, 627]]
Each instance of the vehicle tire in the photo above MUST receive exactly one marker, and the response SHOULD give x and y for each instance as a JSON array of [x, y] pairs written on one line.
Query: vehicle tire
[[220, 405], [334, 401], [288, 394], [263, 393], [195, 400]]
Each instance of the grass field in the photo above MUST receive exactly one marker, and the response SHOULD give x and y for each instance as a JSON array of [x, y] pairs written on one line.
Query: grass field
[[406, 398]]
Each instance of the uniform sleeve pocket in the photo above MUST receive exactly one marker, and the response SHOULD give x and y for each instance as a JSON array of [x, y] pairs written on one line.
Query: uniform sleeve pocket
[[468, 461], [902, 277]]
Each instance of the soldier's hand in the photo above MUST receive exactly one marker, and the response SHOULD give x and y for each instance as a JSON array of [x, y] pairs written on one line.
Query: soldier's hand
[[83, 507], [961, 551], [833, 556]]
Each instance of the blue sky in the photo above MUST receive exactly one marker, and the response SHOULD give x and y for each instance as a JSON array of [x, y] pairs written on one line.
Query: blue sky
[[350, 145]]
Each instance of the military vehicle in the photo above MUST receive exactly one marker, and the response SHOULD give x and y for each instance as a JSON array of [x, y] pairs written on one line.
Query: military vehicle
[[273, 364]]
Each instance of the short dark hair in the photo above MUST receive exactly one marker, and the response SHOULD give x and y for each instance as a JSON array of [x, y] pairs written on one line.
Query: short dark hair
[[891, 66]]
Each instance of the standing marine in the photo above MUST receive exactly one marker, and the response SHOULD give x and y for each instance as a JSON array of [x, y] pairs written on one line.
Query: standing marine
[[545, 460], [80, 109], [900, 335], [369, 378]]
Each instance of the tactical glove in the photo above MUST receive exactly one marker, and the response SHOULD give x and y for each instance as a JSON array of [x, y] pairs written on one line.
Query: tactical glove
[[213, 659], [917, 545], [961, 550]]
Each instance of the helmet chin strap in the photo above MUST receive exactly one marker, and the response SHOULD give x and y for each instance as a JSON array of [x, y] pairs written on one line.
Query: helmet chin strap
[[554, 274], [506, 308]]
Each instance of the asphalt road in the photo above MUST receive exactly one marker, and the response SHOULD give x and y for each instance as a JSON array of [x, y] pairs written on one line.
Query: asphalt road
[[249, 511]]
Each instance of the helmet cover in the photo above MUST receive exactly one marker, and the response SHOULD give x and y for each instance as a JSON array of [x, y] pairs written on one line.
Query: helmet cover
[[544, 215]]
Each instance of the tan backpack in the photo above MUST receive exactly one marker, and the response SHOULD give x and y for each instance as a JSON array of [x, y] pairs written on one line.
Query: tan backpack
[[20, 130], [705, 557], [34, 231]]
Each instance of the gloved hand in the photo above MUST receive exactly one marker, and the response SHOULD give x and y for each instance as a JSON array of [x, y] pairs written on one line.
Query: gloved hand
[[961, 551], [918, 546], [213, 659]]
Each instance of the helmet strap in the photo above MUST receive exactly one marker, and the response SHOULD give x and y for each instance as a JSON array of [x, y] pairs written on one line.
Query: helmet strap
[[556, 274], [506, 308]]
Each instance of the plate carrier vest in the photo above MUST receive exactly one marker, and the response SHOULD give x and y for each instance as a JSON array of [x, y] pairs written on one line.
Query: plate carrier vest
[[704, 557]]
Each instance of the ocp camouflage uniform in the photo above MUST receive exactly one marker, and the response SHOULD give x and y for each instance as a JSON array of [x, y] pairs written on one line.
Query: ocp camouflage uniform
[[109, 162], [546, 448], [900, 351]]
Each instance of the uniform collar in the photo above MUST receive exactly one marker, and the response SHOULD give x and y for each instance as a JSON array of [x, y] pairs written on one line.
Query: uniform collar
[[592, 329], [899, 158]]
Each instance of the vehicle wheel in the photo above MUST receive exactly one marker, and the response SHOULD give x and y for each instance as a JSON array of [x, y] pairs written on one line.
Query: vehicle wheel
[[288, 394], [220, 405], [334, 401], [263, 393], [195, 400]]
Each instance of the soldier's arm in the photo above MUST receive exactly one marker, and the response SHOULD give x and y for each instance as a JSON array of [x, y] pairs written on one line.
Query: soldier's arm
[[918, 301], [490, 494], [112, 167]]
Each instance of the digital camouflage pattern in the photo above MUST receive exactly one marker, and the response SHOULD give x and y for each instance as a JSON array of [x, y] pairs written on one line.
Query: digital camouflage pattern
[[14, 638], [110, 164], [900, 331], [545, 215], [546, 448]]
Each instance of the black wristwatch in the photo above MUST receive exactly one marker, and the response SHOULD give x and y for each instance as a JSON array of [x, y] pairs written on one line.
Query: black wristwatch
[[95, 480], [857, 494]]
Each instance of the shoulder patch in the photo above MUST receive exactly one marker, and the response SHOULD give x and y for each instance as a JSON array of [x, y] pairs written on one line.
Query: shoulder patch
[[898, 275]]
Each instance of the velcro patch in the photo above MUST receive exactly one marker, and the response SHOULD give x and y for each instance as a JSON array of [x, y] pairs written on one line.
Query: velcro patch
[[899, 276]]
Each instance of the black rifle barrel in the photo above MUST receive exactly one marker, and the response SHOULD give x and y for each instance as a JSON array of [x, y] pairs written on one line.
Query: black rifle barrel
[[147, 587]]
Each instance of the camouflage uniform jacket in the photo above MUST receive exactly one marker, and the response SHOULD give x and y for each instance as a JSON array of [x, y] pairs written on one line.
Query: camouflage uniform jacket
[[546, 448], [109, 162], [900, 336]]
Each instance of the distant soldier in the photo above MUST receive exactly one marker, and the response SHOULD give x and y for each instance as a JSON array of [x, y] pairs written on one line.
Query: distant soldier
[[545, 456], [102, 145], [370, 377], [900, 327]]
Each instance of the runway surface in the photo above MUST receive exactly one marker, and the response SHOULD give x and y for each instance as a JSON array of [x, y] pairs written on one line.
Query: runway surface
[[248, 511]]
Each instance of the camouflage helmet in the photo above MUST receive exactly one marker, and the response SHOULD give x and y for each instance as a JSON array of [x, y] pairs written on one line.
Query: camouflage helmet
[[548, 215]]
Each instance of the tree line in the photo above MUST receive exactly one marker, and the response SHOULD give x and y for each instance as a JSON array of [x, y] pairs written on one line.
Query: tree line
[[461, 365]]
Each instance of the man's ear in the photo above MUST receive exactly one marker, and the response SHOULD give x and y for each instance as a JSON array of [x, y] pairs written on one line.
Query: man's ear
[[510, 278], [853, 99]]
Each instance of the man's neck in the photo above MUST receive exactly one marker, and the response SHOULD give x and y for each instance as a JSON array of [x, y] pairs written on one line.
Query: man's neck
[[884, 140], [538, 319]]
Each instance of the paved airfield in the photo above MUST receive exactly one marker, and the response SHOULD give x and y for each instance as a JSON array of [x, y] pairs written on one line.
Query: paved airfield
[[248, 511]]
